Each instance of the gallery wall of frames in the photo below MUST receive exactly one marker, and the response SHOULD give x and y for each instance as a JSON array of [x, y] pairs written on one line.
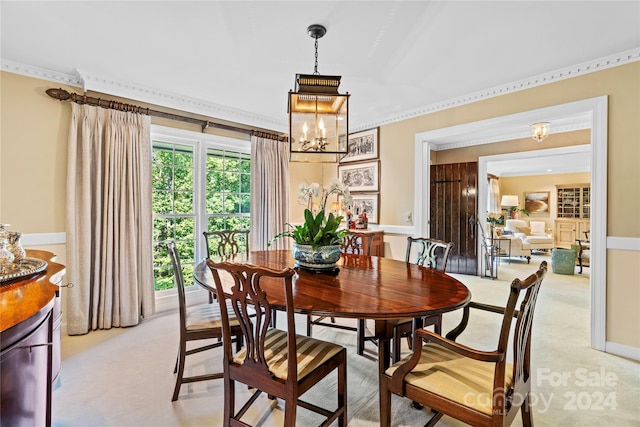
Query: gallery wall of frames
[[359, 169]]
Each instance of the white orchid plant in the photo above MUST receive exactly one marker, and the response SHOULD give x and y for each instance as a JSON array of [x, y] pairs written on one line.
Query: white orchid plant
[[318, 229]]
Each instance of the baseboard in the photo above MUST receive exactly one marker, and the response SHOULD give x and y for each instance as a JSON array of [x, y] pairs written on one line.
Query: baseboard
[[168, 300], [623, 350]]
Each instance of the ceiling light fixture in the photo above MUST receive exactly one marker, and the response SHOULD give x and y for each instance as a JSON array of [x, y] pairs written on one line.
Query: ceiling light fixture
[[318, 114], [540, 131]]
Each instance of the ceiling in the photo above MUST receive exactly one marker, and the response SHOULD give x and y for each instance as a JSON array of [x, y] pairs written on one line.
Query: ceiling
[[239, 59], [573, 162]]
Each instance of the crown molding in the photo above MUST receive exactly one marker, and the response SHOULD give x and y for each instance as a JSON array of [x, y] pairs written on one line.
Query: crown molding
[[40, 73], [599, 64], [94, 82]]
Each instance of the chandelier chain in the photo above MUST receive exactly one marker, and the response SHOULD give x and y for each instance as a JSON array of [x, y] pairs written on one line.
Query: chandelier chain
[[315, 69]]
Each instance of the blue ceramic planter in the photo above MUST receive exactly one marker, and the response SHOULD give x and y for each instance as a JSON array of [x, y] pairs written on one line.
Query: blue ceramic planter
[[321, 258]]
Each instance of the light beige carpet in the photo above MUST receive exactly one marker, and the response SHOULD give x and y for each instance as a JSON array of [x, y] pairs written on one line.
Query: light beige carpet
[[124, 377]]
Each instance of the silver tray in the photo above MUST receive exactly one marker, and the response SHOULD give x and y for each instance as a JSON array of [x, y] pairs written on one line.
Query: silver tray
[[27, 267]]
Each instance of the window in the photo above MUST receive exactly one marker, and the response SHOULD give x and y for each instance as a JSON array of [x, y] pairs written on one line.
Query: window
[[198, 185], [228, 185]]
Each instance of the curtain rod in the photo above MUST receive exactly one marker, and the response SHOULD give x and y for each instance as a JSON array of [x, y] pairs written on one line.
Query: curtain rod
[[63, 95]]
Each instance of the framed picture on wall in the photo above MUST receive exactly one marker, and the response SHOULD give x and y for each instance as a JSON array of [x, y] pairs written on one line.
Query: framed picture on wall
[[363, 176], [537, 202], [368, 203], [362, 146]]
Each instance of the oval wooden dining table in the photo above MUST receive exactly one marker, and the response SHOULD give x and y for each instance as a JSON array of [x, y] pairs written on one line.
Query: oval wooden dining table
[[366, 287]]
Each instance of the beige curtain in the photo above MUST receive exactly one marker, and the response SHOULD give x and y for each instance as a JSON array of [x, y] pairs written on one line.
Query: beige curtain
[[493, 202], [269, 192], [109, 220]]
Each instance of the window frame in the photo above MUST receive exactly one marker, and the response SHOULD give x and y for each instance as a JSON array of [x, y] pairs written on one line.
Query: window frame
[[201, 143]]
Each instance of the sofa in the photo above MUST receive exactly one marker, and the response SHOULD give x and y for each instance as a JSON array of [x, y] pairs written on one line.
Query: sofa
[[519, 248], [533, 233]]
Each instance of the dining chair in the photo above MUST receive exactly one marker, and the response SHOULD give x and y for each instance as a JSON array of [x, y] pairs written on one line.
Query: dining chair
[[476, 387], [226, 243], [435, 254], [356, 243], [277, 362], [199, 322]]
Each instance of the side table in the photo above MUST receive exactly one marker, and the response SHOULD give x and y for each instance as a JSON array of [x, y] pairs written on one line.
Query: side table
[[497, 243]]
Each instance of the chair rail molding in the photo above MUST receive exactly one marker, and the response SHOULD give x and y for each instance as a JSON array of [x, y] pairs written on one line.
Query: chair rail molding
[[42, 239]]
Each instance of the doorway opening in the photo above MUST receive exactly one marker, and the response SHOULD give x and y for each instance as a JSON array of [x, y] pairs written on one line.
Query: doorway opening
[[586, 114]]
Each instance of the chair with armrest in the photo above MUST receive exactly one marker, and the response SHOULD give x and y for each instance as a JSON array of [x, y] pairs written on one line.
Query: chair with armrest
[[200, 322], [435, 253], [279, 363], [477, 387], [225, 244]]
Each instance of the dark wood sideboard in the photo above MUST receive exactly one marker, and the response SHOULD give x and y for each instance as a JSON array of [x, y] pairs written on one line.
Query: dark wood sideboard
[[30, 319]]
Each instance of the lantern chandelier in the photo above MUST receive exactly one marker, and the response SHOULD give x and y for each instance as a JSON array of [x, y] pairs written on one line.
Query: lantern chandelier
[[318, 114]]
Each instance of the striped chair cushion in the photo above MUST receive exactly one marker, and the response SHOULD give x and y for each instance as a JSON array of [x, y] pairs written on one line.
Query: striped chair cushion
[[311, 353], [453, 376], [207, 316]]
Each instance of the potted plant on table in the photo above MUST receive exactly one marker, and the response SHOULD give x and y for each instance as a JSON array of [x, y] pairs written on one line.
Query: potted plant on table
[[317, 241]]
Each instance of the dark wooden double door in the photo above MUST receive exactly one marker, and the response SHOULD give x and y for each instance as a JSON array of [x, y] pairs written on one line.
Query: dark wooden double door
[[453, 213]]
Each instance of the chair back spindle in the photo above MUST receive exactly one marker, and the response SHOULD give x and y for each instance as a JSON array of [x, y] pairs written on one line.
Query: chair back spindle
[[357, 243], [225, 243], [253, 310], [433, 252]]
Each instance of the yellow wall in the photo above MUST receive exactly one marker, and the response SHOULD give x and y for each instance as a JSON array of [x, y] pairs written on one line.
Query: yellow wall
[[34, 156], [33, 164]]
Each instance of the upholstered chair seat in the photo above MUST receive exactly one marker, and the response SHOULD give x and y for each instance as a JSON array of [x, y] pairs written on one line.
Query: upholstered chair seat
[[453, 376], [311, 353]]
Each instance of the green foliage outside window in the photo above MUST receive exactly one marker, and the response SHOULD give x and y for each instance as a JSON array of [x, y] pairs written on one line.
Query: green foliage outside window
[[227, 202], [174, 216], [228, 186]]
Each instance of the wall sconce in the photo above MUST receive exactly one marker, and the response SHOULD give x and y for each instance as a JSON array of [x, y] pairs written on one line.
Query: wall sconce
[[540, 131], [318, 114]]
